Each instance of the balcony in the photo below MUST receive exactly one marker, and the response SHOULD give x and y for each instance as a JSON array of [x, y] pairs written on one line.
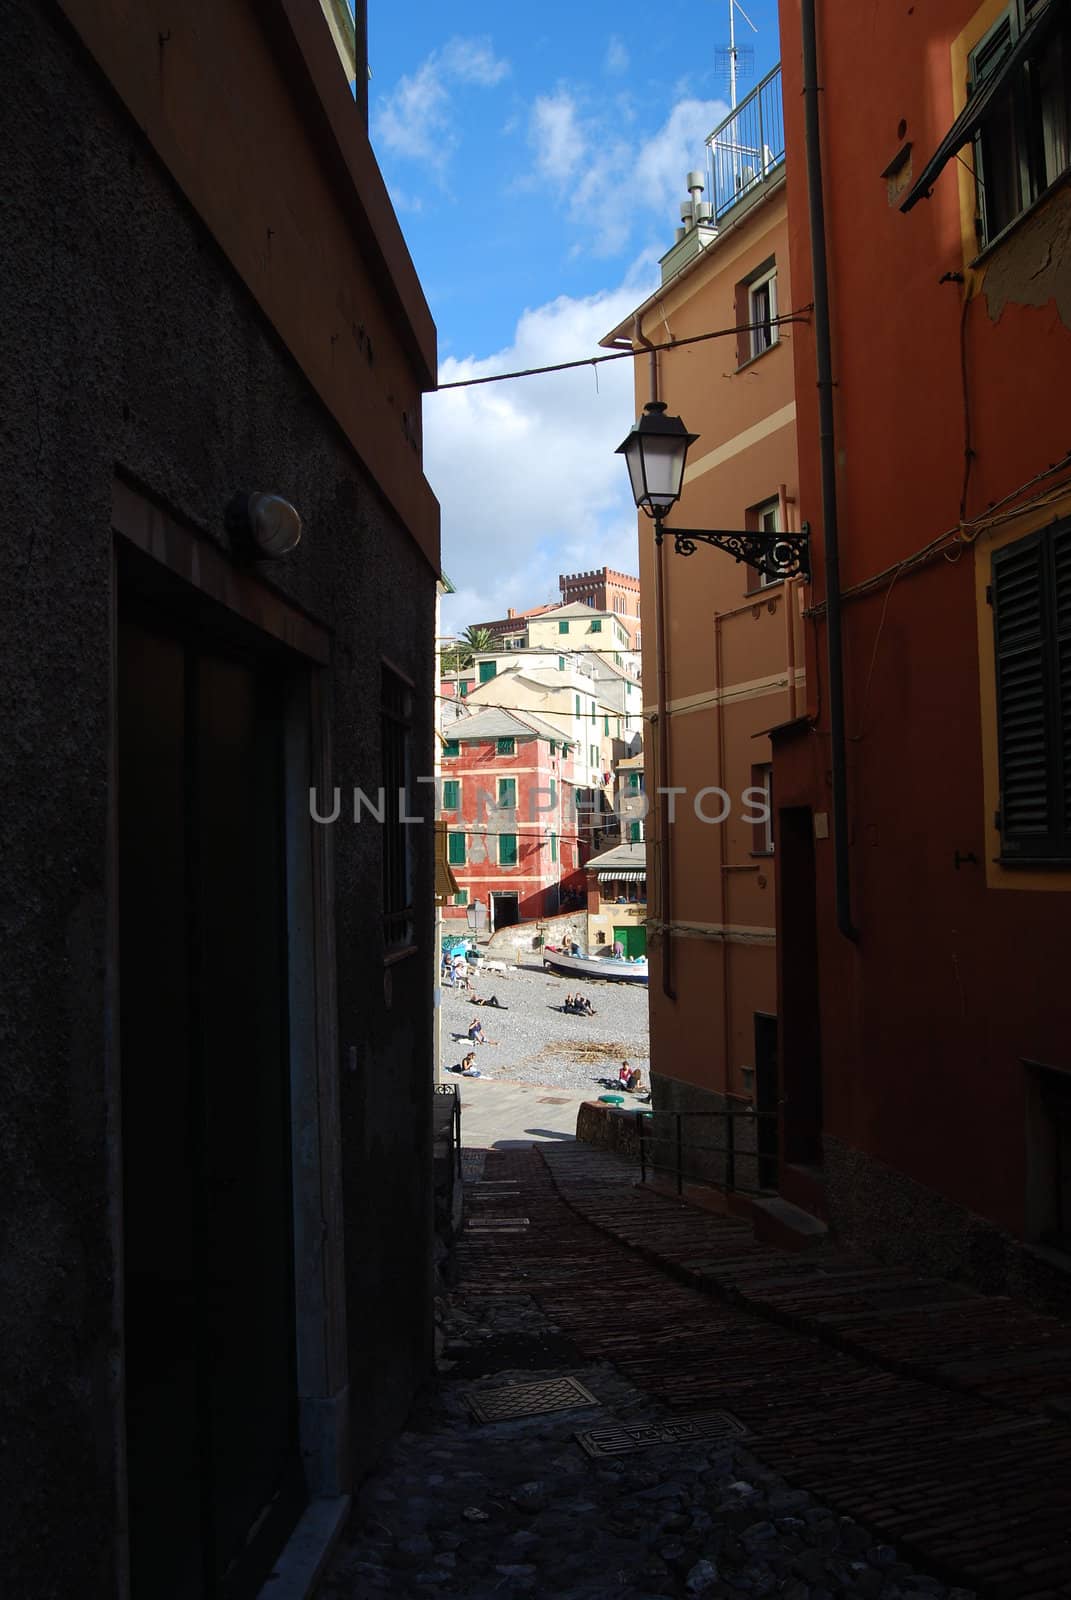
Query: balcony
[[747, 148]]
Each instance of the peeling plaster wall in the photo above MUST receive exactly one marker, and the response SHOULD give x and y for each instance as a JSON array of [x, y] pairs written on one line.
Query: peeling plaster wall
[[130, 342], [1033, 265]]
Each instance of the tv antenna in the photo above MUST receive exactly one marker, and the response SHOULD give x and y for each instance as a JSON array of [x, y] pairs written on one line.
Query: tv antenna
[[738, 58]]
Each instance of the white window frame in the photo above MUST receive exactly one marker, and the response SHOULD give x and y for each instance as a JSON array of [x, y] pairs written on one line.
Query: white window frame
[[763, 338]]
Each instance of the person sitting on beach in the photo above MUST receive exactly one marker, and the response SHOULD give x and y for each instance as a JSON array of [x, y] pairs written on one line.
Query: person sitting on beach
[[469, 1069], [628, 1077], [476, 1031]]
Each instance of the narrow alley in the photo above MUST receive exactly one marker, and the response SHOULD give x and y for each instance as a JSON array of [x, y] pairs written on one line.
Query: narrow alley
[[813, 1468]]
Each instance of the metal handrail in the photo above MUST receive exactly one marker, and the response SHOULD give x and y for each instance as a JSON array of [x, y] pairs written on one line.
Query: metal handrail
[[747, 146], [730, 1149]]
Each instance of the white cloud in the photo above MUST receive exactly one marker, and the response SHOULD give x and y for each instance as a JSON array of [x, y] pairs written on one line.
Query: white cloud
[[556, 135], [415, 120], [608, 181], [525, 470], [617, 57]]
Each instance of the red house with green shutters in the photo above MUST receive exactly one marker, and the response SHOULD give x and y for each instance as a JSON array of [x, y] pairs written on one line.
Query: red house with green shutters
[[513, 840]]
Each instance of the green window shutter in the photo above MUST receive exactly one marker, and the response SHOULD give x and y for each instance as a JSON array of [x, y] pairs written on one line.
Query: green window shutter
[[554, 847], [453, 747], [553, 748], [563, 627], [507, 849], [593, 752], [578, 710], [554, 791], [487, 670], [594, 713], [507, 747], [561, 663], [1032, 626], [596, 626], [455, 850], [461, 898], [634, 833], [465, 688], [606, 726], [451, 794], [507, 793]]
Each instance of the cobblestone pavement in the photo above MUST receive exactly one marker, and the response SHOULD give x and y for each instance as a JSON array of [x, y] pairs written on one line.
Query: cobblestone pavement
[[851, 1480]]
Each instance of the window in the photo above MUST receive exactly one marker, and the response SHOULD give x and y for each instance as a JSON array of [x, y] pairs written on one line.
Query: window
[[455, 850], [1031, 598], [465, 687], [635, 832], [763, 832], [635, 782], [461, 898], [561, 663], [579, 712], [593, 752], [553, 792], [396, 711], [596, 626], [506, 747], [553, 747], [1021, 145], [606, 727], [554, 847], [563, 627], [507, 794], [452, 747], [487, 670], [764, 518], [451, 794], [762, 309], [507, 849]]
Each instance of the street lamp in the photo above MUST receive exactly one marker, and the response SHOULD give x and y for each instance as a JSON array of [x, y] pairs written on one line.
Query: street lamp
[[655, 452]]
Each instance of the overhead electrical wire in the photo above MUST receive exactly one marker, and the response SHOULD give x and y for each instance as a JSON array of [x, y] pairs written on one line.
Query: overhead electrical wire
[[800, 315]]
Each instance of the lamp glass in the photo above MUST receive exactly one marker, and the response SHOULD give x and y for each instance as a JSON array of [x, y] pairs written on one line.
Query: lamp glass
[[274, 524], [663, 468]]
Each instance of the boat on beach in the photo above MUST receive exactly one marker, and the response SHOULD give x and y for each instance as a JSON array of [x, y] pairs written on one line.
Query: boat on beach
[[616, 969]]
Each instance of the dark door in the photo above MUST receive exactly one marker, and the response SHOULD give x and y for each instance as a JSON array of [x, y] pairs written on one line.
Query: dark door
[[214, 1469], [797, 950], [506, 910], [766, 1098]]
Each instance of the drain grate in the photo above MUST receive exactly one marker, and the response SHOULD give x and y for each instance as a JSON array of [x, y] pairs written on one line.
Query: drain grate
[[529, 1399], [617, 1439]]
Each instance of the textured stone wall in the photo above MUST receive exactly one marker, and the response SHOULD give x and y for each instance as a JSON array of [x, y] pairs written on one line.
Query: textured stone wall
[[904, 1223], [129, 344]]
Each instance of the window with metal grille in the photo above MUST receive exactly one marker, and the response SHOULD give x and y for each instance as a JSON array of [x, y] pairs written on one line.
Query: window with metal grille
[[396, 714], [1031, 599], [451, 794]]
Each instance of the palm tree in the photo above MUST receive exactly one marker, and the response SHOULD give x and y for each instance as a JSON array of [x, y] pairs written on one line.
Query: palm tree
[[473, 642]]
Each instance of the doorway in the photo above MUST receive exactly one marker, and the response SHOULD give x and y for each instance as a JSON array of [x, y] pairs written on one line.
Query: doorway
[[766, 1098], [797, 947], [214, 1471], [506, 910], [633, 940]]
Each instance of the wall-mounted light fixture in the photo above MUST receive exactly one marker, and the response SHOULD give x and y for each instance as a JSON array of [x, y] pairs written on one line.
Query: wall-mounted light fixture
[[266, 524], [655, 453]]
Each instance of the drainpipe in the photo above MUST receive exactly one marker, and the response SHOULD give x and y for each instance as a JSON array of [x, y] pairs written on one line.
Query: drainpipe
[[665, 895], [828, 459]]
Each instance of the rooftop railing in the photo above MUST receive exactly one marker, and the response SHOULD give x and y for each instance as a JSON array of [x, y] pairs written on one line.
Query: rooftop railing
[[745, 149]]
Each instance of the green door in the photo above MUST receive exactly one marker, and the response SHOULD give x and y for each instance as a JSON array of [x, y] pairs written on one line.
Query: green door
[[632, 940]]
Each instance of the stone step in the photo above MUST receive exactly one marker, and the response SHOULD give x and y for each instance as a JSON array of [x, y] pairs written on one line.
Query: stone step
[[779, 1222]]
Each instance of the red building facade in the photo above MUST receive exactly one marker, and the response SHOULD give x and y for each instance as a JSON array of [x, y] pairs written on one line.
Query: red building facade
[[512, 828], [925, 1051]]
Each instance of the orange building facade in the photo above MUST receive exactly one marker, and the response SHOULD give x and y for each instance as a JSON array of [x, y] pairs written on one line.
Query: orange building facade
[[926, 1030], [729, 650]]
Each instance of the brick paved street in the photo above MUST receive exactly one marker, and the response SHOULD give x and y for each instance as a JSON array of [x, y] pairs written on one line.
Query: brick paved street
[[948, 1477]]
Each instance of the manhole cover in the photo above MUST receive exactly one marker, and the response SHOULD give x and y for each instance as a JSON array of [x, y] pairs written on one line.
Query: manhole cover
[[617, 1439], [529, 1399]]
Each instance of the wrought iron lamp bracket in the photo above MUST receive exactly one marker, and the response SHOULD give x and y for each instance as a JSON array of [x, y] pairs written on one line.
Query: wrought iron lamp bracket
[[776, 555]]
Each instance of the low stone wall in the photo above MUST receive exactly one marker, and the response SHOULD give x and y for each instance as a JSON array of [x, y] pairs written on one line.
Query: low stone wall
[[612, 1128], [507, 944], [890, 1216], [704, 1135]]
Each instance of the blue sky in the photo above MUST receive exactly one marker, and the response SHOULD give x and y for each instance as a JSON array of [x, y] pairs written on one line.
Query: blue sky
[[536, 157]]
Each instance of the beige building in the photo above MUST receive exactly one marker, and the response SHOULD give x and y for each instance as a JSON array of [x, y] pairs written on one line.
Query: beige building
[[725, 643]]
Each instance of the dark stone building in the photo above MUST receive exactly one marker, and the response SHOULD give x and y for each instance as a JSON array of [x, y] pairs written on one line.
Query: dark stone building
[[216, 1124]]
